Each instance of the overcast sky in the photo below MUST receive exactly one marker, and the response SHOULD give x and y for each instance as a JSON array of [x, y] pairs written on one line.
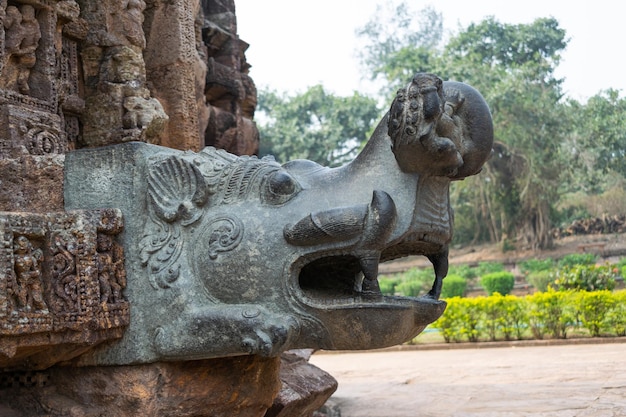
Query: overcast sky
[[295, 44]]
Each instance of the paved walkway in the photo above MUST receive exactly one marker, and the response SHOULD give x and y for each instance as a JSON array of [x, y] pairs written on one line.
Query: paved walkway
[[549, 381]]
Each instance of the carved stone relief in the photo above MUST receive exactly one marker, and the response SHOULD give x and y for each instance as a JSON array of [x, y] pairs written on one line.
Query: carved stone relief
[[39, 98], [199, 73], [118, 105], [62, 278], [22, 36], [108, 94]]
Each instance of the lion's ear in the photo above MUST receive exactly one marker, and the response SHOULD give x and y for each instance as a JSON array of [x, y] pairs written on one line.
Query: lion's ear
[[177, 190]]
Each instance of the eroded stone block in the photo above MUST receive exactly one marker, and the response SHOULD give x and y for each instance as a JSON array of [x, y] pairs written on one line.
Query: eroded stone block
[[62, 278]]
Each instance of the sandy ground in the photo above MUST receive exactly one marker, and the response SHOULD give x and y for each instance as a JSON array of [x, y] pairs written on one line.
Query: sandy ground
[[553, 381]]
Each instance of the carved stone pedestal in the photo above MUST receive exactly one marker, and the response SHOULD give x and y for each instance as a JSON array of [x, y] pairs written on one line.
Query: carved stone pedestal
[[241, 386]]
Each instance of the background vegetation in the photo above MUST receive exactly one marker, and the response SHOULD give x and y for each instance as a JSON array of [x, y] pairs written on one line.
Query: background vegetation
[[556, 159], [576, 297], [551, 314]]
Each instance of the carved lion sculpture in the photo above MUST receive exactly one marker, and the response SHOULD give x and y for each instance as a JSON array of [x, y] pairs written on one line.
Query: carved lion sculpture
[[235, 255]]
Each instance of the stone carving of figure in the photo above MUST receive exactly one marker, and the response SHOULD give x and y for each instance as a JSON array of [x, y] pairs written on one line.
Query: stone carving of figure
[[28, 274], [133, 22], [108, 270], [12, 22], [21, 41]]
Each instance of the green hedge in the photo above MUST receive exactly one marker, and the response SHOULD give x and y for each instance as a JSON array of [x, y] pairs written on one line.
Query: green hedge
[[498, 282], [553, 314], [453, 286]]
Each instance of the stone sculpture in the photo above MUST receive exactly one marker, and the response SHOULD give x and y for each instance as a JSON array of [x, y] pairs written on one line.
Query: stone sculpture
[[52, 302], [231, 255], [22, 39]]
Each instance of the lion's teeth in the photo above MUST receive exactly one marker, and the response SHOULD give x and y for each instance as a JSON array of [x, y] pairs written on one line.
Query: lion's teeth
[[369, 266]]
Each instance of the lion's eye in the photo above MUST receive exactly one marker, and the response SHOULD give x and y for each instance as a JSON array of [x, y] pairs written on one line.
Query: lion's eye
[[279, 188]]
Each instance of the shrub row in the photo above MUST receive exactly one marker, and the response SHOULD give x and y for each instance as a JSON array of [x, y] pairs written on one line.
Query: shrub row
[[576, 271], [553, 314], [572, 272]]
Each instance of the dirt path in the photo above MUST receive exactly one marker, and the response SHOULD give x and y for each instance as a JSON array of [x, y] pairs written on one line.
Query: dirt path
[[547, 381]]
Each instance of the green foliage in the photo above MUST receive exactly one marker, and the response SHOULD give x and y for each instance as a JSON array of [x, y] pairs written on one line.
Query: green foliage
[[608, 199], [593, 308], [616, 317], [507, 245], [621, 267], [485, 268], [515, 317], [494, 314], [543, 314], [411, 288], [575, 259], [315, 125], [451, 321], [415, 282], [539, 272], [505, 315], [597, 142], [388, 284], [471, 318], [541, 280], [586, 278], [498, 282], [453, 286], [551, 312], [535, 265], [461, 320], [465, 271], [513, 67], [509, 46]]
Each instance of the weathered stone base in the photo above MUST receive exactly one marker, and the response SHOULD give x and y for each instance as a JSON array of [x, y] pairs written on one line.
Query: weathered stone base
[[305, 387], [240, 386]]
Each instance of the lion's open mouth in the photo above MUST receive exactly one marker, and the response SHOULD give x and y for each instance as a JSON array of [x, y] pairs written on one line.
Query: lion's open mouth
[[339, 280], [331, 278]]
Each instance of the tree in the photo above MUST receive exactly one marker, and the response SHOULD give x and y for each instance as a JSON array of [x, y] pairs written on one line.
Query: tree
[[315, 125], [513, 67], [595, 177], [597, 141], [399, 42]]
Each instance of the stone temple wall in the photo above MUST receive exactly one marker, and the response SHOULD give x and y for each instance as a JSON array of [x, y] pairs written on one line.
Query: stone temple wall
[[90, 73], [94, 73]]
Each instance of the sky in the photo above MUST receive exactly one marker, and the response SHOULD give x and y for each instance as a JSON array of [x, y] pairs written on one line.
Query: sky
[[296, 44]]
